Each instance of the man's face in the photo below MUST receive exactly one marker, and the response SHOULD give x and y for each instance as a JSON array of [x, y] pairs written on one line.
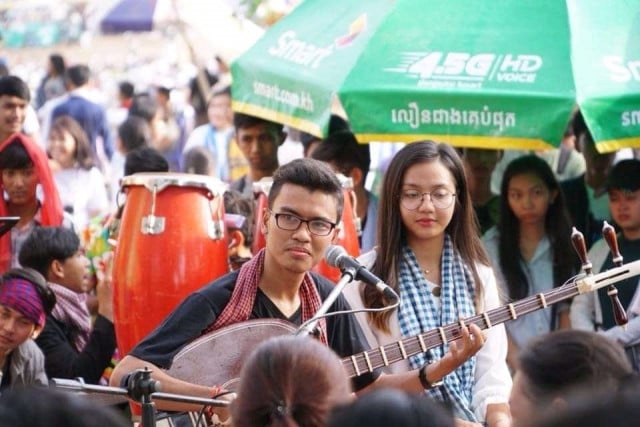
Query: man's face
[[298, 250], [625, 210], [76, 273], [12, 114], [259, 145], [20, 185], [15, 329], [220, 112]]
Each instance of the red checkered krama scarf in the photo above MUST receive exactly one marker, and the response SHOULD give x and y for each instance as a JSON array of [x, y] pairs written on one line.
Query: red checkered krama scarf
[[239, 307], [51, 206]]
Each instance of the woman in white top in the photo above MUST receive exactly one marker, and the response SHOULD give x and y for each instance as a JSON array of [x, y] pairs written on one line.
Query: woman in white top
[[81, 185], [430, 253]]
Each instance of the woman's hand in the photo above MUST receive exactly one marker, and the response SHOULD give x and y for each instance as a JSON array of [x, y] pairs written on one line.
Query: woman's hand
[[470, 342]]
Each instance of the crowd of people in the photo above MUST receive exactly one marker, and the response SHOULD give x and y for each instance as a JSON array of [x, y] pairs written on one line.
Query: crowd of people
[[454, 232]]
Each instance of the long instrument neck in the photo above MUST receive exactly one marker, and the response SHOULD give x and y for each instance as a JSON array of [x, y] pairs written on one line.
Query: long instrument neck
[[368, 361]]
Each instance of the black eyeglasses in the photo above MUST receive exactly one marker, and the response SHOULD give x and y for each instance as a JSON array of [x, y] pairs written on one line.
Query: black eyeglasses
[[291, 222]]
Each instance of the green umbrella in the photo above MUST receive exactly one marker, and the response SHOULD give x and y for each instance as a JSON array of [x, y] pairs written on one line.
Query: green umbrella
[[605, 46], [478, 74]]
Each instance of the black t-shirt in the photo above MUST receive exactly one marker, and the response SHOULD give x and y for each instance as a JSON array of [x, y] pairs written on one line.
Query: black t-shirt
[[200, 310], [6, 373]]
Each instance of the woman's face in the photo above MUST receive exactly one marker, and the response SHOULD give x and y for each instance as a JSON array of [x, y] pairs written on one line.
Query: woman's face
[[62, 148], [427, 221], [529, 198]]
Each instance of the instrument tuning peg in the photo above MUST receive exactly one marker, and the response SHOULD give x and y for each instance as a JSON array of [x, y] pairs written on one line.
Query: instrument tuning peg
[[610, 237], [577, 239], [619, 312]]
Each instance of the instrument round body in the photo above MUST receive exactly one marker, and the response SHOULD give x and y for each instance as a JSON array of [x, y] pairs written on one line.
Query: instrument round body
[[224, 352], [349, 224], [171, 242]]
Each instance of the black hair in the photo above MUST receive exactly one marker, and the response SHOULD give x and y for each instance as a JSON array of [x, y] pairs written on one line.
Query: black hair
[[569, 361], [82, 154], [57, 61], [236, 203], [134, 132], [14, 86], [556, 223], [78, 75], [311, 174], [218, 91], [145, 159], [15, 156], [143, 105], [198, 160], [47, 244], [126, 89], [43, 407], [241, 121], [336, 124], [342, 149], [387, 407], [598, 409], [32, 276], [578, 124]]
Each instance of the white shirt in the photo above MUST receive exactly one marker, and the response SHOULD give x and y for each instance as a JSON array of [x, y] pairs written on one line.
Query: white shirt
[[84, 191]]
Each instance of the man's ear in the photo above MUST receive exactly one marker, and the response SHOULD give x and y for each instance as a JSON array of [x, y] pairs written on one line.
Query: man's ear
[[336, 233], [264, 221], [56, 270], [558, 404], [236, 240], [283, 137], [356, 176], [36, 332]]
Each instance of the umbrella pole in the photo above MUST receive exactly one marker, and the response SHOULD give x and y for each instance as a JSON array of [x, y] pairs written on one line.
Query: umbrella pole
[[201, 79]]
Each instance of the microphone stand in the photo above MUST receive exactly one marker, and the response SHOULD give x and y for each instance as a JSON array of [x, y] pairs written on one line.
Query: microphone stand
[[141, 388], [308, 327]]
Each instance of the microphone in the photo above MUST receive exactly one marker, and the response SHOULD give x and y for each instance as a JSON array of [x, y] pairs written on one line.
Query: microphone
[[337, 256]]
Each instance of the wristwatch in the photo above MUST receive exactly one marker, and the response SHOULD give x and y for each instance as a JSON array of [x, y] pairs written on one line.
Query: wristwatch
[[422, 376]]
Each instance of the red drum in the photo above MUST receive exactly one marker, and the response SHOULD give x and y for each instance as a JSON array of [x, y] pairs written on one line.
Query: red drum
[[171, 242], [349, 225], [349, 231]]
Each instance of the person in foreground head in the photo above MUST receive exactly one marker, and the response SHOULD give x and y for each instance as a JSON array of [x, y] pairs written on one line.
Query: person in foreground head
[[290, 380], [40, 407], [388, 407], [564, 366], [614, 409], [25, 301], [430, 253]]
